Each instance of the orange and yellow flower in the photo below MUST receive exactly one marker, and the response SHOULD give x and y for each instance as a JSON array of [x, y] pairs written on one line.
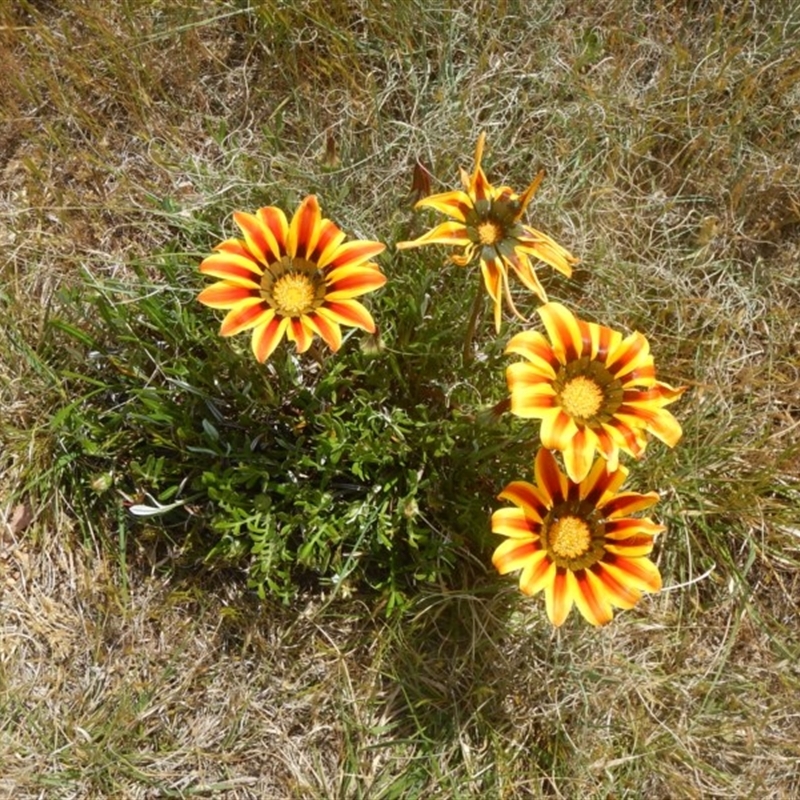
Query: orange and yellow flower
[[297, 279], [487, 224], [577, 540], [592, 389]]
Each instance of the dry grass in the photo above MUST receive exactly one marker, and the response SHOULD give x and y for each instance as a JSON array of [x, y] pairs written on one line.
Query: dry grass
[[670, 135]]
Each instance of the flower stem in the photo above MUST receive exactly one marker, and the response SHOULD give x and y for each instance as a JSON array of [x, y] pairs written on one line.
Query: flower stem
[[477, 304]]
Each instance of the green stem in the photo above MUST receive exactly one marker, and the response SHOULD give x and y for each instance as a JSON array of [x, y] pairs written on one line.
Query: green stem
[[477, 304]]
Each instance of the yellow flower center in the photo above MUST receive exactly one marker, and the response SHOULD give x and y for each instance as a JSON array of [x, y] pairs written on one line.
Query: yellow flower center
[[581, 397], [293, 287], [489, 233], [569, 537], [293, 295]]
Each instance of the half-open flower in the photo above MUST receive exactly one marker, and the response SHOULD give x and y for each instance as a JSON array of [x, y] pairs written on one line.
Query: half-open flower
[[297, 279], [577, 541], [487, 225]]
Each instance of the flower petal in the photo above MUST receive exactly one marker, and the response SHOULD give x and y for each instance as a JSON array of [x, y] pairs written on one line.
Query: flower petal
[[537, 574], [245, 315], [627, 503], [548, 250], [347, 282], [348, 312], [579, 454], [267, 335], [351, 254], [455, 204], [240, 269], [514, 554], [305, 228], [557, 428], [256, 235], [618, 594], [564, 331], [638, 573], [551, 481], [559, 595], [533, 503], [276, 229], [535, 347], [328, 330], [223, 295], [591, 600], [446, 233]]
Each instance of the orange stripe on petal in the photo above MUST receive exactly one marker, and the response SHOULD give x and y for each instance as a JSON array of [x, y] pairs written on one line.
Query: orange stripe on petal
[[254, 235], [330, 237], [299, 333], [551, 481], [579, 454], [353, 254], [446, 233], [246, 315], [537, 575], [348, 312], [563, 329], [632, 353], [348, 282], [305, 228], [276, 227], [329, 331], [455, 204], [618, 593], [267, 336], [601, 482], [529, 499], [591, 600], [536, 349], [231, 266], [557, 428], [514, 554], [223, 295], [638, 573], [560, 595], [627, 503]]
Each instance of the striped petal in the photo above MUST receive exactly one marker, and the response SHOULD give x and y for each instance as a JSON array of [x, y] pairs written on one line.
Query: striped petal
[[267, 335], [618, 593], [348, 312], [529, 498], [514, 523], [455, 204], [559, 595], [276, 230], [537, 574], [256, 236], [446, 233], [347, 282], [548, 250], [535, 347], [330, 238], [514, 554], [639, 573], [246, 315], [591, 598], [631, 354], [351, 254], [579, 454], [300, 333], [304, 229], [557, 429], [232, 267], [549, 478], [564, 331], [627, 503], [328, 330], [223, 295]]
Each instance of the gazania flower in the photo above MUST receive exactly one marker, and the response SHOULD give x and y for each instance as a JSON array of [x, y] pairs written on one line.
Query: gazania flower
[[297, 279], [488, 226], [577, 541], [592, 390]]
